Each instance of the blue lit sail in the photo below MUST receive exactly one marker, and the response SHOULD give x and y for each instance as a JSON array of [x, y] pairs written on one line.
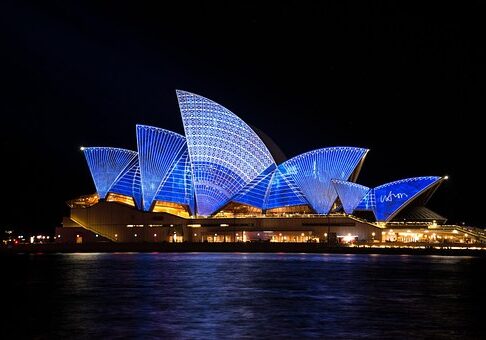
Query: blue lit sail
[[350, 194], [255, 192], [283, 192], [129, 184], [223, 160], [394, 196], [158, 151], [314, 170], [106, 164], [368, 203], [178, 186], [225, 153]]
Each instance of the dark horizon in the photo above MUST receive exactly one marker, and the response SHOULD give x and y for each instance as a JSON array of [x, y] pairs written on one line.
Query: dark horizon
[[404, 81]]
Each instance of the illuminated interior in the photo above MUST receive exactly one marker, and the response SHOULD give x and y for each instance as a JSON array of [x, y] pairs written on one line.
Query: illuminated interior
[[120, 199], [171, 208], [425, 236], [83, 201], [238, 209], [296, 209]]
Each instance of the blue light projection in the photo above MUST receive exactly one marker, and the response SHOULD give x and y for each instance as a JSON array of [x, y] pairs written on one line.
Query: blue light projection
[[158, 151], [368, 203], [222, 159], [129, 184], [350, 194], [255, 192], [313, 171], [178, 186], [225, 153], [283, 192], [106, 164], [392, 197]]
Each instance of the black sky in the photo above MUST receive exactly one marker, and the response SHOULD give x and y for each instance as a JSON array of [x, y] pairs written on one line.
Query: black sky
[[406, 81]]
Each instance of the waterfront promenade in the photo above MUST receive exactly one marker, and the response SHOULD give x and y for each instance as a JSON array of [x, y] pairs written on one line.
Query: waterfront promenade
[[253, 247]]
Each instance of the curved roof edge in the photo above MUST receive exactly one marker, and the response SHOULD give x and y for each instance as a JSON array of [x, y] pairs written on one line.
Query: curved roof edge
[[410, 179], [87, 148], [349, 183], [357, 171], [277, 153], [224, 107], [328, 149], [156, 128]]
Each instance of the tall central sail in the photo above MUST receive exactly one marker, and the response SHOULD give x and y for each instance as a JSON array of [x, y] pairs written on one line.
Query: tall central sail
[[225, 153]]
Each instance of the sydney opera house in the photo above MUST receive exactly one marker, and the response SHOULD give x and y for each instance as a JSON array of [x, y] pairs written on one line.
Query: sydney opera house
[[224, 181]]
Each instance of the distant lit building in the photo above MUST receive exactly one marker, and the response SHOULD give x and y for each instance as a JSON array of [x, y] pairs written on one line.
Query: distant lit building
[[225, 182]]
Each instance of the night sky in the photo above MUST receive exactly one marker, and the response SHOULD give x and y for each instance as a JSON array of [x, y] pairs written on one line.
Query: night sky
[[407, 82]]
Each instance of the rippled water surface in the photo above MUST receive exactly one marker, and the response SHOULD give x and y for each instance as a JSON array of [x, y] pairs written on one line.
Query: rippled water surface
[[208, 296]]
